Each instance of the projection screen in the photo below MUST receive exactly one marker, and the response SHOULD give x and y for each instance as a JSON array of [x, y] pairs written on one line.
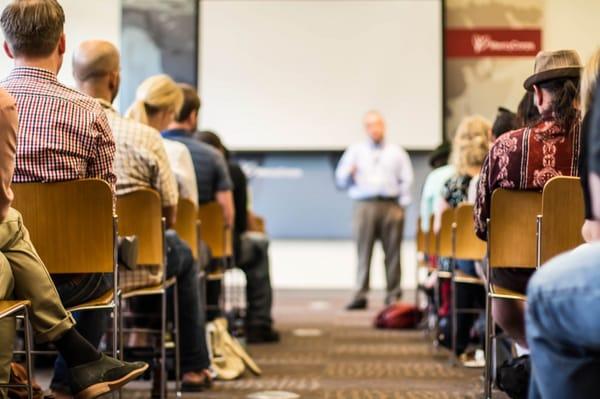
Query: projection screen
[[299, 75]]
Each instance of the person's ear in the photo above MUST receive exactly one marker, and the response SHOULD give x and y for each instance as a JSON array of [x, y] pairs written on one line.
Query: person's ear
[[538, 96], [114, 81], [8, 51], [62, 44]]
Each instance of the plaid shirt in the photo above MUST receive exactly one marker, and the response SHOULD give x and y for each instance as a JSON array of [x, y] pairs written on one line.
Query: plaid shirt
[[63, 134], [141, 160]]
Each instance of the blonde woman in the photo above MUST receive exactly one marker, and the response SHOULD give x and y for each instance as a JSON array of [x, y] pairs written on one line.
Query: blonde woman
[[469, 149], [158, 100]]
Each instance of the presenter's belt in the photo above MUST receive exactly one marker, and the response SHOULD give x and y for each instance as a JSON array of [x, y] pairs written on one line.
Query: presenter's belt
[[380, 199]]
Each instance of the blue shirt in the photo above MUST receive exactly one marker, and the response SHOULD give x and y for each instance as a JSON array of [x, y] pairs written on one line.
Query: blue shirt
[[212, 174], [382, 170]]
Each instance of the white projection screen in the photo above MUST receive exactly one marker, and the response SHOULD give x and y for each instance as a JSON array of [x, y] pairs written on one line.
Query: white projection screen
[[300, 74]]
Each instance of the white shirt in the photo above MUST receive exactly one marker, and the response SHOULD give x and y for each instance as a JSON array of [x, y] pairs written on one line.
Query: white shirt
[[382, 170], [183, 168]]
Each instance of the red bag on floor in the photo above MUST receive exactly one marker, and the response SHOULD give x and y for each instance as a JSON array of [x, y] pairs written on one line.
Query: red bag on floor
[[399, 316]]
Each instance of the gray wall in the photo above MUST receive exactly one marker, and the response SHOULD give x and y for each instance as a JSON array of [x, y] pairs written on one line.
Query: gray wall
[[296, 194]]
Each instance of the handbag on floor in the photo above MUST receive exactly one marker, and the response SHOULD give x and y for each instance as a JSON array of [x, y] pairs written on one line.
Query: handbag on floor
[[18, 375], [228, 358], [398, 316]]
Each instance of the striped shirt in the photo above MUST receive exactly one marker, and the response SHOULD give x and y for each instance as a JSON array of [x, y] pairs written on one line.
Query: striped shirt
[[141, 160], [63, 134]]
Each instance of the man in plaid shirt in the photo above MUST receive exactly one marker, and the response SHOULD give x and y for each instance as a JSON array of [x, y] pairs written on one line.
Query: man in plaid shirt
[[63, 135]]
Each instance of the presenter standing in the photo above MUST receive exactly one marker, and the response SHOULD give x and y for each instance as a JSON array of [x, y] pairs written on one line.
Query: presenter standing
[[378, 176]]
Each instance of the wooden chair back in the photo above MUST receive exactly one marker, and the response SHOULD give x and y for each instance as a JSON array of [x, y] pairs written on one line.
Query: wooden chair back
[[214, 233], [467, 244], [186, 225], [431, 237], [563, 215], [140, 214], [512, 235], [420, 238], [445, 233], [71, 224]]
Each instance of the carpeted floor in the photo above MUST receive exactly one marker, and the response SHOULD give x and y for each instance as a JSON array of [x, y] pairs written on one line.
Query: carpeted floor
[[348, 360]]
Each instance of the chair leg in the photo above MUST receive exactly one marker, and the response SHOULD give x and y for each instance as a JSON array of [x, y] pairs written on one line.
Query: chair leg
[[163, 350], [489, 330], [454, 311], [177, 341], [28, 359]]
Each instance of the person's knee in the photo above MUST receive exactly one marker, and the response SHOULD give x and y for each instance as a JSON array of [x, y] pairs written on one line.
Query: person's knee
[[510, 316], [7, 283]]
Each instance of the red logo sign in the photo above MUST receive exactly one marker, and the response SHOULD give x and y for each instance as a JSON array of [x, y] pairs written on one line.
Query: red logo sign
[[493, 42]]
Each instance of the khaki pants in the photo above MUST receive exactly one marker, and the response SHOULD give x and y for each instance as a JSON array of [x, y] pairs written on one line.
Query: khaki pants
[[24, 276], [383, 221]]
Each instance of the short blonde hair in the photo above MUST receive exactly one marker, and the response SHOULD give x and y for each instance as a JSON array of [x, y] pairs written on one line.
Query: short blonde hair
[[155, 94], [471, 143], [589, 80]]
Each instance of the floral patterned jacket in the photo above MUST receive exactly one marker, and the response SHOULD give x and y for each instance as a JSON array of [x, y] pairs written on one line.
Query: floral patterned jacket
[[526, 159]]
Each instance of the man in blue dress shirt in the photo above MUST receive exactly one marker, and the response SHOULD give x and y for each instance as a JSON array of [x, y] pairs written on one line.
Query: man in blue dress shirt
[[378, 176]]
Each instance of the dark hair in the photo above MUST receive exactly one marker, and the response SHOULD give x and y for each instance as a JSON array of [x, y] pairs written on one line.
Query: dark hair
[[33, 27], [213, 140], [439, 156], [191, 102], [565, 92], [505, 121], [527, 112]]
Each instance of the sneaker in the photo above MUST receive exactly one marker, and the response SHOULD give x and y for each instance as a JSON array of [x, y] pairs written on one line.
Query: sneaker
[[102, 376], [357, 304]]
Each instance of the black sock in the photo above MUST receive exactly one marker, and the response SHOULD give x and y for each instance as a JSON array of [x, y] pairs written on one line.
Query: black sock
[[75, 349]]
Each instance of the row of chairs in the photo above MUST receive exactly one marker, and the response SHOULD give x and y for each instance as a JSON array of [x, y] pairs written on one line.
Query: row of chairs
[[75, 230], [525, 229]]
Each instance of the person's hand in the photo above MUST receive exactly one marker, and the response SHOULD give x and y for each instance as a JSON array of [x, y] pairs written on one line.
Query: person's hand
[[353, 171]]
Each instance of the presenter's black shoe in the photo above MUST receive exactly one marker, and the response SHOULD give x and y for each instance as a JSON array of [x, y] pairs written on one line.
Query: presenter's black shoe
[[357, 304], [262, 335], [102, 376]]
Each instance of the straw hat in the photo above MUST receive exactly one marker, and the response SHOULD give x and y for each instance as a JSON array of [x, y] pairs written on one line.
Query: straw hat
[[550, 65]]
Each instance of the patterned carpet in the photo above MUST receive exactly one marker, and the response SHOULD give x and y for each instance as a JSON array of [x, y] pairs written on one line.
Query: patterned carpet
[[349, 360]]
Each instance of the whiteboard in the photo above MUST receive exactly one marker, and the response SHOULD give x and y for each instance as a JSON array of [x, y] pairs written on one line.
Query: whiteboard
[[299, 75], [84, 20]]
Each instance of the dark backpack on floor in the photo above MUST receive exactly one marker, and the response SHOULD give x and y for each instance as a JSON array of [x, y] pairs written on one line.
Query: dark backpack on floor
[[513, 377]]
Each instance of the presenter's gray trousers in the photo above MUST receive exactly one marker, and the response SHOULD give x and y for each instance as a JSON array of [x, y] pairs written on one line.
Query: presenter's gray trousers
[[378, 220]]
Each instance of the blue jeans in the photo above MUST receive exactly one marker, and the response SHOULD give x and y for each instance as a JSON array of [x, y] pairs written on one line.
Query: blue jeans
[[91, 324], [563, 325]]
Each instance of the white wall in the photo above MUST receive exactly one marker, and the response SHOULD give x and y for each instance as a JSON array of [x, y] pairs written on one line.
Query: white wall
[[85, 19]]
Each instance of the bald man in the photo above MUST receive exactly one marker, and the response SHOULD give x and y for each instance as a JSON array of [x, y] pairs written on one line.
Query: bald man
[[378, 176], [141, 162]]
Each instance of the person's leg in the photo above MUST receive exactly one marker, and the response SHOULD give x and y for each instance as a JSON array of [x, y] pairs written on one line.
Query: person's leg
[[563, 320], [392, 229], [254, 261], [7, 325], [365, 230], [180, 263], [510, 316], [91, 324]]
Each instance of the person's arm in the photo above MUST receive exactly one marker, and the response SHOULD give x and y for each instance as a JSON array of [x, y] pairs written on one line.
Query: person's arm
[[225, 200], [346, 170], [164, 182], [405, 178], [482, 202], [170, 215], [9, 125], [224, 194], [101, 163]]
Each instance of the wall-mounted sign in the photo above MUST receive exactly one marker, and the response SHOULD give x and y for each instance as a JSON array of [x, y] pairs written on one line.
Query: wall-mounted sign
[[493, 42]]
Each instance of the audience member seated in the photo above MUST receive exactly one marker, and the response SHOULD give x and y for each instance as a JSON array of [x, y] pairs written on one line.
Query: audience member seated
[[212, 176], [24, 276], [469, 149], [251, 254], [563, 317], [63, 135], [141, 162], [527, 158], [432, 189], [506, 121]]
